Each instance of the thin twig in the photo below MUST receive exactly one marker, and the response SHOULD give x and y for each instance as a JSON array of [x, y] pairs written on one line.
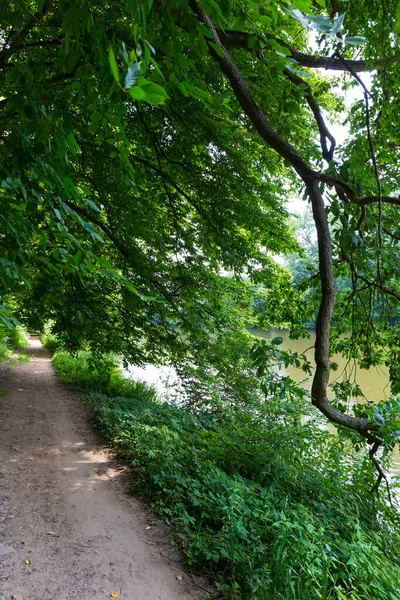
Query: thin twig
[[381, 473], [367, 95]]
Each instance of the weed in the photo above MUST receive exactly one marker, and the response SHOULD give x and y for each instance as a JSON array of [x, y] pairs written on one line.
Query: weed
[[23, 358]]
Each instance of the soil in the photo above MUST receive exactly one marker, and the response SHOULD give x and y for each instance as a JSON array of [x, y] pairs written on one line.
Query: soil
[[68, 528]]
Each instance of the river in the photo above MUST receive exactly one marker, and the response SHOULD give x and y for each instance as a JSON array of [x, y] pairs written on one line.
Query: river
[[374, 382]]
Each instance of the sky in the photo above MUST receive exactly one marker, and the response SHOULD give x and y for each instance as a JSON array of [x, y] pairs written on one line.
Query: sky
[[339, 131]]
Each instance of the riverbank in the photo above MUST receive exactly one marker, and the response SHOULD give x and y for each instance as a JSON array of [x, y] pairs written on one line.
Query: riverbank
[[265, 504]]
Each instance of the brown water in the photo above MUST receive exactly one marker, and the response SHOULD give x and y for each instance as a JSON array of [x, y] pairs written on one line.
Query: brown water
[[374, 382]]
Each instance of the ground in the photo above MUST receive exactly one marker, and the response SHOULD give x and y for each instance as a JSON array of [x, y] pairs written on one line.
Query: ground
[[68, 528]]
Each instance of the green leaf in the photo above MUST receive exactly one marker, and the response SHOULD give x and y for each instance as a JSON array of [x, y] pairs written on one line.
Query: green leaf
[[356, 40], [105, 263], [113, 64], [154, 93], [278, 48], [130, 286], [92, 230], [252, 41], [136, 93], [58, 214], [217, 101], [93, 127], [92, 204], [297, 14], [304, 5], [216, 48], [378, 418], [72, 143], [337, 25]]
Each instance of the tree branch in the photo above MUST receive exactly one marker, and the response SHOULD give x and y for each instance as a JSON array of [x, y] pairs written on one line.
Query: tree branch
[[375, 199], [310, 178], [241, 39], [7, 53], [381, 473], [324, 132]]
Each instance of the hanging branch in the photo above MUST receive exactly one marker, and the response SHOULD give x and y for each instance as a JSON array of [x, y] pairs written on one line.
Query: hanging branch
[[324, 133], [381, 473], [242, 39], [310, 179]]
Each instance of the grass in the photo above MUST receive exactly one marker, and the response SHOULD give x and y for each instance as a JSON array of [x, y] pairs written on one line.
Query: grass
[[269, 510]]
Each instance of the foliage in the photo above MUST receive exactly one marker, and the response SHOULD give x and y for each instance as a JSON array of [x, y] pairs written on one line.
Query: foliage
[[12, 334], [49, 339], [122, 257], [229, 484], [304, 265], [23, 358], [148, 149], [87, 375]]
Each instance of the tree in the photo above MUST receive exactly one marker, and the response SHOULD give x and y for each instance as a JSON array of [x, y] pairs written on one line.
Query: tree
[[202, 116], [144, 245]]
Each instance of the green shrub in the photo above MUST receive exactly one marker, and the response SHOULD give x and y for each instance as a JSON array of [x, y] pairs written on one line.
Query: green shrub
[[12, 337], [268, 509], [23, 358], [49, 339], [86, 375]]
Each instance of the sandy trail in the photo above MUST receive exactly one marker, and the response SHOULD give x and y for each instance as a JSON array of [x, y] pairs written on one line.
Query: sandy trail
[[67, 527]]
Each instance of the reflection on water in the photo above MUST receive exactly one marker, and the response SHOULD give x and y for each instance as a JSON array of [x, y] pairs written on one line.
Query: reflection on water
[[163, 378]]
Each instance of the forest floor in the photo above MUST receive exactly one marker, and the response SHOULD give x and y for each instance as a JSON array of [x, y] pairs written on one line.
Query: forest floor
[[68, 528]]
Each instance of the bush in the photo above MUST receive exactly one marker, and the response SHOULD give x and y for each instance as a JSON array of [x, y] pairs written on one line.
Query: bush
[[270, 510], [12, 337], [49, 339], [86, 375]]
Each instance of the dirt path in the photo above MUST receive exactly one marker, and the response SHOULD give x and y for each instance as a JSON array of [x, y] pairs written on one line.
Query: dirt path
[[67, 528]]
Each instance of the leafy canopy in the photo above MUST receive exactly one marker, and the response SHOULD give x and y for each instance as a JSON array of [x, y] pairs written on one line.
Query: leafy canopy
[[147, 149]]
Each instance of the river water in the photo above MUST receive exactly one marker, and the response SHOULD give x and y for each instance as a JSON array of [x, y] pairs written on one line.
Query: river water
[[374, 382]]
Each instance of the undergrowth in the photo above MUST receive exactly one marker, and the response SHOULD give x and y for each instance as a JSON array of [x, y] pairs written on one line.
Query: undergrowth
[[49, 339], [12, 337], [271, 509]]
